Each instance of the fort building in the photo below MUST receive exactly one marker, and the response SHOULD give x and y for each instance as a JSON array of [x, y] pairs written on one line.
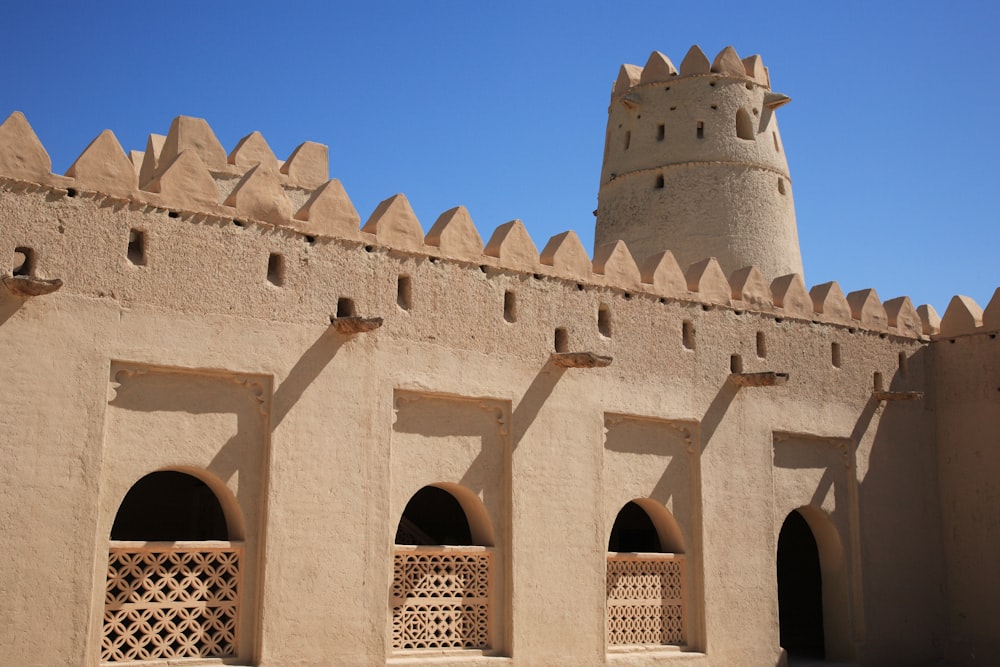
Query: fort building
[[241, 428]]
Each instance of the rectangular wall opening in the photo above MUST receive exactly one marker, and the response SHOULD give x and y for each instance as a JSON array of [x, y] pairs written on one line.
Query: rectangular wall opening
[[604, 320], [510, 306], [687, 334], [275, 269], [561, 340], [701, 129], [23, 263], [761, 345], [903, 363], [404, 292], [835, 357], [735, 363], [136, 252], [661, 131], [345, 307], [628, 138]]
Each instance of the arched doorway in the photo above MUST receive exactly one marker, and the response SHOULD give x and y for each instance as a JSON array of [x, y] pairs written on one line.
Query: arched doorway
[[173, 583], [645, 577], [800, 589], [442, 571]]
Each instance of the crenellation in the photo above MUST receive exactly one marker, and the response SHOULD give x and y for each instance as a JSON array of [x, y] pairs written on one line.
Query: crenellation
[[751, 287], [394, 224], [614, 262], [708, 281], [962, 316], [728, 63], [455, 235], [867, 309], [512, 246], [566, 255], [789, 293], [547, 393], [104, 167]]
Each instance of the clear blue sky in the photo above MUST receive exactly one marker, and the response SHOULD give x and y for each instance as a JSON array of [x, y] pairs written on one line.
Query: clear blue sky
[[892, 133]]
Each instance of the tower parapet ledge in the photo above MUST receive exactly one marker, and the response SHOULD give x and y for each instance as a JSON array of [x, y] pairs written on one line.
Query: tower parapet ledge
[[187, 175], [693, 161]]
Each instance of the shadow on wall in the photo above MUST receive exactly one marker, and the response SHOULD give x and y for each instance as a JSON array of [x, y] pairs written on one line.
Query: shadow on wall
[[900, 524]]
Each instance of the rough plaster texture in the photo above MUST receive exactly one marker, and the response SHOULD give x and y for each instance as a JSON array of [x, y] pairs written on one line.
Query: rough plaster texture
[[190, 354], [694, 163]]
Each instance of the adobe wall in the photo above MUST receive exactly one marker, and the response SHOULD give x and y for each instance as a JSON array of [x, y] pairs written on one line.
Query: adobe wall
[[693, 161], [321, 437], [966, 399]]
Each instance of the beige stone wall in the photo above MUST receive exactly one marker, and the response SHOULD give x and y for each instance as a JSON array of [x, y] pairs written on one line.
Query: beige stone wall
[[693, 163], [321, 437], [966, 399]]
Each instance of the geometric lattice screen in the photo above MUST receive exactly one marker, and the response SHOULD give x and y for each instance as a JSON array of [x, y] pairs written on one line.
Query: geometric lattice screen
[[441, 597], [645, 599], [164, 602]]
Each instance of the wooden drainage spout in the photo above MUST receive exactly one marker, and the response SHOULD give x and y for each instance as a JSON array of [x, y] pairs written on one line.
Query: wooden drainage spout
[[30, 286], [353, 324], [580, 360], [897, 395], [765, 379]]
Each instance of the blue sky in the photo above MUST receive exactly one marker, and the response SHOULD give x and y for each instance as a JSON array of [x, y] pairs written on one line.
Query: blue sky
[[891, 135]]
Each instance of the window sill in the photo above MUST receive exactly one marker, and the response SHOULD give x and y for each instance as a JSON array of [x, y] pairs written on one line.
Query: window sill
[[452, 657]]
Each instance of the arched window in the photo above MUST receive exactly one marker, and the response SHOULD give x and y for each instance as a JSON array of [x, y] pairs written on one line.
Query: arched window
[[645, 577], [744, 124], [173, 584], [442, 571]]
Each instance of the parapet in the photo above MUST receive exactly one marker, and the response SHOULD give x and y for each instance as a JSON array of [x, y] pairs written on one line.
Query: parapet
[[659, 69], [189, 174]]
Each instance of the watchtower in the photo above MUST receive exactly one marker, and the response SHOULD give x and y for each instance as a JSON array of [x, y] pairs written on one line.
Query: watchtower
[[693, 163]]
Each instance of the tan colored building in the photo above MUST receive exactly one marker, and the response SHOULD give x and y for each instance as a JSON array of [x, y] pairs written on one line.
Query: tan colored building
[[239, 430]]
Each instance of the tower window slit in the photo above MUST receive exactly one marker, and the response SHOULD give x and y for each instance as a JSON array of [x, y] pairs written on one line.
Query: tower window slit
[[345, 307], [404, 292], [661, 131], [561, 340], [687, 334], [510, 306], [701, 129], [275, 269], [761, 345], [628, 138], [136, 252], [659, 182], [735, 363], [835, 357], [604, 320]]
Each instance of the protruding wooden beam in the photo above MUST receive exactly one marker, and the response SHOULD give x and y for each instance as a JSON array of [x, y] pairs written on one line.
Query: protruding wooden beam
[[31, 286], [897, 395], [580, 360], [354, 325], [765, 379]]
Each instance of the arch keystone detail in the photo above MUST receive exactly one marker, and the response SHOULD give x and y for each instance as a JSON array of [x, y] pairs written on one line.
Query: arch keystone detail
[[395, 224], [21, 153], [104, 167], [455, 235], [565, 253]]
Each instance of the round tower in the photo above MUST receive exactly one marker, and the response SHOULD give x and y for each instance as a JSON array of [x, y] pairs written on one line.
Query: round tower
[[694, 164]]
